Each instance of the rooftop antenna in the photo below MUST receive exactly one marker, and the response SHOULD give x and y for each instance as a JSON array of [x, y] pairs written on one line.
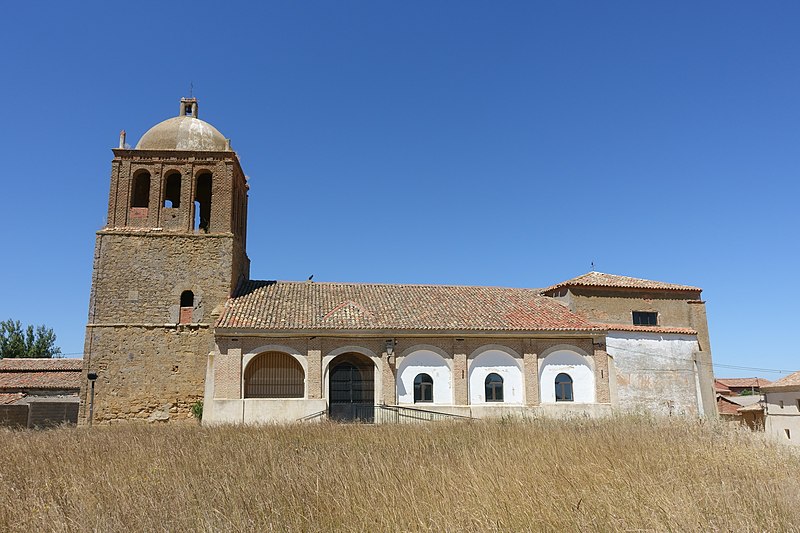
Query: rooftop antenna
[[592, 266], [191, 89]]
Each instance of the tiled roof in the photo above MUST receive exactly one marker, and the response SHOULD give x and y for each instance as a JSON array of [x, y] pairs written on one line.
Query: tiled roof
[[744, 400], [752, 407], [792, 380], [599, 279], [282, 305], [650, 329], [720, 388], [52, 374], [727, 407], [10, 397], [743, 382]]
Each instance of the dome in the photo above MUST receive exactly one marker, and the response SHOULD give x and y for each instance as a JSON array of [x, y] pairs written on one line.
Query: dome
[[183, 133]]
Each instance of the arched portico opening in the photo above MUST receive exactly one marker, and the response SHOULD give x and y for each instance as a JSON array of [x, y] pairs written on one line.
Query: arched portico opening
[[352, 388]]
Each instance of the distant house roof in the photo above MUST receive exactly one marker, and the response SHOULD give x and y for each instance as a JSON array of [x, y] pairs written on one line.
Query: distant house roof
[[743, 383], [40, 374], [744, 401], [790, 381], [726, 407], [751, 407], [721, 388], [287, 305], [600, 279]]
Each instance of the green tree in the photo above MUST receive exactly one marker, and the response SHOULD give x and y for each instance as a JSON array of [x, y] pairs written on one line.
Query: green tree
[[16, 341]]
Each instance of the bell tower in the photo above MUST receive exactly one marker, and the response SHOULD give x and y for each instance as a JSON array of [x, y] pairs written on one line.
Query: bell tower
[[171, 253]]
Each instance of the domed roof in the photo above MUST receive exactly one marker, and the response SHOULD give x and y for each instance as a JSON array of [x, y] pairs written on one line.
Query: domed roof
[[185, 132]]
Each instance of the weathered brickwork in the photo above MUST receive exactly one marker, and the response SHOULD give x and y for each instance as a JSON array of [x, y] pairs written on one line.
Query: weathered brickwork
[[150, 254], [458, 351]]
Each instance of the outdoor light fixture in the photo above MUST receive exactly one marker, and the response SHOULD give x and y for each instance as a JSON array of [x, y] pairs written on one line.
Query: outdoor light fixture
[[92, 376], [390, 349]]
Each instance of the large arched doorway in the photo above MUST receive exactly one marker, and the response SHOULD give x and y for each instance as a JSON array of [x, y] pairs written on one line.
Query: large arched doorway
[[352, 388]]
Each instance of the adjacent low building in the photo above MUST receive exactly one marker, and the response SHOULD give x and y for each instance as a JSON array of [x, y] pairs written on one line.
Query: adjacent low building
[[782, 409], [39, 392]]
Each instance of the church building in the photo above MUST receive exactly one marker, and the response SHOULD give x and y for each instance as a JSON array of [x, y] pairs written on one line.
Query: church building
[[174, 319]]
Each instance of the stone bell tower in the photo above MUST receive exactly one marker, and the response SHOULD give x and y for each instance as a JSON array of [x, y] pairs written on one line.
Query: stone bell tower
[[171, 253]]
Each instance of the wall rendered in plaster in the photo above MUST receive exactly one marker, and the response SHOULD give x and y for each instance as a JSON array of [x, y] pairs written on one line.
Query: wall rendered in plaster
[[578, 367], [428, 362], [655, 372], [779, 419], [499, 362]]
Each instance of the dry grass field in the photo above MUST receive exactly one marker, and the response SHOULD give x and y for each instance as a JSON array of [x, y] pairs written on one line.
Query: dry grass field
[[626, 474]]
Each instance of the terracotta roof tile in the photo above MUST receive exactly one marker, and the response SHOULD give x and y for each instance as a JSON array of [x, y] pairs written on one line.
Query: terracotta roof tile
[[792, 380], [52, 374], [727, 407], [743, 382], [282, 305], [40, 364], [7, 398], [600, 279]]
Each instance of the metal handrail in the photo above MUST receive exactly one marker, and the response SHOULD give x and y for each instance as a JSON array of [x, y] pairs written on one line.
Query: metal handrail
[[312, 416]]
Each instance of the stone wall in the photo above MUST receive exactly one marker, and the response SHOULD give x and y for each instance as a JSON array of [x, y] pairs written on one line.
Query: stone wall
[[145, 373]]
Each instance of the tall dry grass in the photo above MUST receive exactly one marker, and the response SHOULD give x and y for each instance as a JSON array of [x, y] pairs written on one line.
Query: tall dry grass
[[582, 475]]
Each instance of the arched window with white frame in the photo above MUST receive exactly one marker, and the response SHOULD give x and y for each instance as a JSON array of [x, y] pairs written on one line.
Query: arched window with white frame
[[423, 388]]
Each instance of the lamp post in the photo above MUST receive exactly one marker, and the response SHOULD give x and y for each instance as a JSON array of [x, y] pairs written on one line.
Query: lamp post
[[92, 378]]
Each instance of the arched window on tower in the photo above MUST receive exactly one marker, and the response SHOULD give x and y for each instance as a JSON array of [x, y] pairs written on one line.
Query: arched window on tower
[[423, 388], [141, 189], [202, 202], [187, 307], [563, 388], [172, 190], [494, 388]]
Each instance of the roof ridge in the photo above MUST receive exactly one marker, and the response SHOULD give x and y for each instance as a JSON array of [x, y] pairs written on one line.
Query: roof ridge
[[378, 284]]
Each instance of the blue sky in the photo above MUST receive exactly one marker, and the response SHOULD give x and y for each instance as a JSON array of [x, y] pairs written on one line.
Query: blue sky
[[455, 142]]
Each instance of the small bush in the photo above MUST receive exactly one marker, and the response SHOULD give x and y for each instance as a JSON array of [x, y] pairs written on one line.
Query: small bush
[[197, 409]]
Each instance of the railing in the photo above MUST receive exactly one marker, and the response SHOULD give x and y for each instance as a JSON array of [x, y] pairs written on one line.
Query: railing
[[314, 416], [381, 414], [396, 413]]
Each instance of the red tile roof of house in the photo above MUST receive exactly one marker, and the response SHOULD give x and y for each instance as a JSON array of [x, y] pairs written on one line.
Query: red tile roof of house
[[285, 305], [743, 382], [792, 380], [727, 407], [49, 374], [720, 388], [600, 279], [7, 398]]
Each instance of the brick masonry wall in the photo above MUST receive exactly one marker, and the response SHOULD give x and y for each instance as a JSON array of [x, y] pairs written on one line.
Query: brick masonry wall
[[50, 414], [15, 416], [460, 351]]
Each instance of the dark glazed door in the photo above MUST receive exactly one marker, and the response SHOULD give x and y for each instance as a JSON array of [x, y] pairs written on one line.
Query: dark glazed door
[[352, 393]]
